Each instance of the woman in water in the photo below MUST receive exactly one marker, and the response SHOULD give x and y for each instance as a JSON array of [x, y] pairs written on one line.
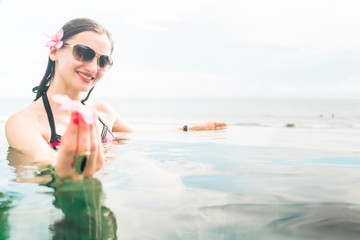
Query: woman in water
[[80, 54]]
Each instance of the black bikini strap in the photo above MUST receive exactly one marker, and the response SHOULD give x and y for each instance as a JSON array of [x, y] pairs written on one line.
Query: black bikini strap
[[105, 129], [50, 117]]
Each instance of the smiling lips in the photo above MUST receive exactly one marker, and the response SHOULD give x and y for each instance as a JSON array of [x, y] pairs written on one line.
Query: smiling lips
[[87, 78]]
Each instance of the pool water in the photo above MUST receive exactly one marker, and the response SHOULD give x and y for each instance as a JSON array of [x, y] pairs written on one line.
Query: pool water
[[239, 183]]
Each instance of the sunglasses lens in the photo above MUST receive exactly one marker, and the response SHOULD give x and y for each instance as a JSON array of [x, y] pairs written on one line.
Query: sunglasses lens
[[104, 62], [83, 53]]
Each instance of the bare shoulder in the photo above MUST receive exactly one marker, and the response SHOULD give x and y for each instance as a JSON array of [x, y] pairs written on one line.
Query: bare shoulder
[[25, 131], [23, 117], [103, 107], [111, 117], [22, 122], [105, 112]]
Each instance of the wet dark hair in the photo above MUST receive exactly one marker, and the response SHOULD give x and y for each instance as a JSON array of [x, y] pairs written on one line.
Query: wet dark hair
[[71, 28]]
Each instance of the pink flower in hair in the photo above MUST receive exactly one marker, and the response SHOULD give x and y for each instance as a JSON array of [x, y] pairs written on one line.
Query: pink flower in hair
[[88, 114], [56, 39]]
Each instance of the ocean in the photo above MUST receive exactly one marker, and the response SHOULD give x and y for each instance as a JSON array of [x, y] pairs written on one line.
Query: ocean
[[299, 113], [283, 169]]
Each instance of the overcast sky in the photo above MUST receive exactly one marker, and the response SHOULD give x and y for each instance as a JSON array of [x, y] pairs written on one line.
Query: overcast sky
[[197, 48]]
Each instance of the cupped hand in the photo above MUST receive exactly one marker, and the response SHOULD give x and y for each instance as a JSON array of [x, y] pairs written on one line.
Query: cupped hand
[[79, 138]]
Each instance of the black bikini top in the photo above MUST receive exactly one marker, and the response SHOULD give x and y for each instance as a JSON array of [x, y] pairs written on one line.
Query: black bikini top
[[55, 139]]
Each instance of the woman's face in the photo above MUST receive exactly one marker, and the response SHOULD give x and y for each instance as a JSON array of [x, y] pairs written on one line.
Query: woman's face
[[76, 74]]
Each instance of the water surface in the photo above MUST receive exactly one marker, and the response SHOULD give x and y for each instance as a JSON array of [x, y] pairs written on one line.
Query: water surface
[[246, 182]]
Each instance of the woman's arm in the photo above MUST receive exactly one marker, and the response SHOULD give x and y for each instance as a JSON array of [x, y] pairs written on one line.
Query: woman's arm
[[211, 125], [119, 126]]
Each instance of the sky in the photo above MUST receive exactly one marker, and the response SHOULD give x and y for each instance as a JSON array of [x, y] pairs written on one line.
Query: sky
[[196, 48]]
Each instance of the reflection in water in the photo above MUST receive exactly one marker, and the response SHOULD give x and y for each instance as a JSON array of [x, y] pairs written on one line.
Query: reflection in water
[[330, 221], [318, 221], [81, 202], [85, 216], [6, 203]]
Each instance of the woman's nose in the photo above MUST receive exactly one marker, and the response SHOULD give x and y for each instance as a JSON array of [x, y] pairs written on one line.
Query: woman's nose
[[92, 66]]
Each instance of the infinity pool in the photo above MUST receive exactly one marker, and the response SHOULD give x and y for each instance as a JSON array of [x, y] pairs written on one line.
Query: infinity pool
[[240, 183]]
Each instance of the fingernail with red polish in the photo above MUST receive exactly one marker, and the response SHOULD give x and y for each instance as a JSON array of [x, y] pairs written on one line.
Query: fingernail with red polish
[[76, 118]]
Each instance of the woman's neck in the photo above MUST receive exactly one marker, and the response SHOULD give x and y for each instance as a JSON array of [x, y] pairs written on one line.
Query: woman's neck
[[54, 89]]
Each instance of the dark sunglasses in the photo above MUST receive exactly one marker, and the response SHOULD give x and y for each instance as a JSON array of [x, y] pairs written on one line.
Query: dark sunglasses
[[84, 53]]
